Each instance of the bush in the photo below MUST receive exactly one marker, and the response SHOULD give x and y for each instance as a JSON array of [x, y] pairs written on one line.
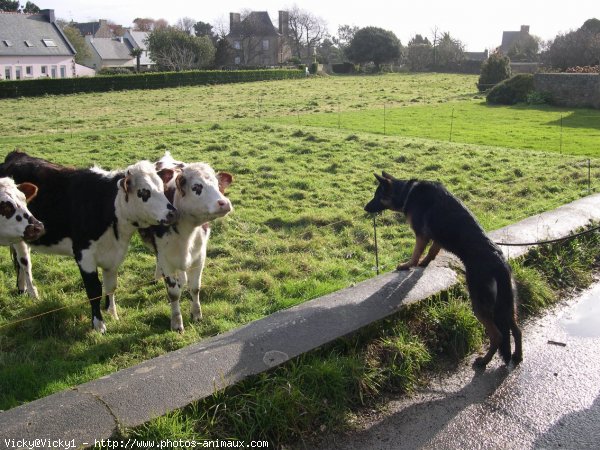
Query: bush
[[511, 91], [149, 80], [494, 70]]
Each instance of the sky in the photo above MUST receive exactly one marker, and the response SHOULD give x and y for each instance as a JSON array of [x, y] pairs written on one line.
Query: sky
[[478, 24]]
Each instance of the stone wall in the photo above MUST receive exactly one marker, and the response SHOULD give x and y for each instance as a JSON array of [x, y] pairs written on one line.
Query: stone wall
[[570, 89]]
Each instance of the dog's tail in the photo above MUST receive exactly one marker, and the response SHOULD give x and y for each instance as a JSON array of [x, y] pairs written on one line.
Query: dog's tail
[[504, 311]]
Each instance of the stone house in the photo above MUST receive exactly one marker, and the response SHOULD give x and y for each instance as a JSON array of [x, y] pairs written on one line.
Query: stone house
[[99, 29], [256, 42], [109, 53], [509, 37], [34, 46]]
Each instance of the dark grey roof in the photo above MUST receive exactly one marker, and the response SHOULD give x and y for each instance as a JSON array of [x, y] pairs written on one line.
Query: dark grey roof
[[258, 22], [112, 48], [476, 56], [508, 37], [96, 29], [18, 28]]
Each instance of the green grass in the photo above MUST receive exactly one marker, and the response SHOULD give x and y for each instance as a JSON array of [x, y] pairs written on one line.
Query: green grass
[[323, 390], [474, 122], [298, 229]]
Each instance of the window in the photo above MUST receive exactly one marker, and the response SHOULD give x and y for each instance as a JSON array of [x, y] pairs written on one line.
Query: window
[[237, 45], [8, 43], [29, 71], [49, 43], [63, 71], [28, 43], [44, 70], [8, 73], [238, 60], [265, 44], [53, 71], [18, 72]]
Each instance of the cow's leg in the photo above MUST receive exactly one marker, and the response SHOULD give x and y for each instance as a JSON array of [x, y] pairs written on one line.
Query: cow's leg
[[194, 276], [174, 283], [22, 260], [109, 280], [93, 286]]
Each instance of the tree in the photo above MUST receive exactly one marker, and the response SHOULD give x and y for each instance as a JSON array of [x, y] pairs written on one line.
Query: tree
[[14, 6], [204, 29], [420, 54], [525, 48], [173, 49], [9, 6], [306, 31], [78, 41], [376, 45], [143, 24], [494, 70], [31, 8], [344, 36], [186, 24], [223, 52], [450, 51], [575, 48], [137, 54], [328, 52]]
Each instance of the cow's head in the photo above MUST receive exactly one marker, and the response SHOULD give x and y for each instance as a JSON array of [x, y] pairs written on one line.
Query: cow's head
[[142, 198], [200, 193], [16, 221]]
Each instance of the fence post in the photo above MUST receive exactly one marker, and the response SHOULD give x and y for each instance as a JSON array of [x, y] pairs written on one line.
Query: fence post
[[451, 124], [589, 177], [561, 132], [384, 114], [376, 249]]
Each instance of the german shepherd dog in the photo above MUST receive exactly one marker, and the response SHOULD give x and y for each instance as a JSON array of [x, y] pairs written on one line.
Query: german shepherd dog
[[436, 215]]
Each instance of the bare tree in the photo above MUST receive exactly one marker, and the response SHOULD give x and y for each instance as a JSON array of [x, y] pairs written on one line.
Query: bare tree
[[186, 24], [306, 31]]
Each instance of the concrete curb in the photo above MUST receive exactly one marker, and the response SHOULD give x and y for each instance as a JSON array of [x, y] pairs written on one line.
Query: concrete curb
[[135, 395]]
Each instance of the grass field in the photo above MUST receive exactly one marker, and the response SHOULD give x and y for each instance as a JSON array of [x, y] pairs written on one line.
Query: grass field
[[298, 230]]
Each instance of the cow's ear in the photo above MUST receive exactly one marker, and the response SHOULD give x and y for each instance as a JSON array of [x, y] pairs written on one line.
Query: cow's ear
[[180, 181], [166, 175], [30, 190], [125, 184], [225, 179]]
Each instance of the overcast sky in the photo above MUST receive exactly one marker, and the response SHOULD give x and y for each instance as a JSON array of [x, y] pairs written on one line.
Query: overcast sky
[[478, 24]]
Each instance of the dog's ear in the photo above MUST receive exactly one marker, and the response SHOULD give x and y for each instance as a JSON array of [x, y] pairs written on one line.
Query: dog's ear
[[384, 182], [387, 175]]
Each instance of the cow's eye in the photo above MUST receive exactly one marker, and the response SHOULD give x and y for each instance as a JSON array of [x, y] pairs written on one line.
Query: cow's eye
[[144, 194], [7, 209], [197, 188]]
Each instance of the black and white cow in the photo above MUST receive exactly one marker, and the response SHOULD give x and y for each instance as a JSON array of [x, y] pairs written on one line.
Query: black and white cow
[[91, 214], [16, 221], [198, 194], [17, 224]]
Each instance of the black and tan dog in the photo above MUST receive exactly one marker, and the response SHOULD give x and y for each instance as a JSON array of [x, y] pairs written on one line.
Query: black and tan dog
[[436, 215]]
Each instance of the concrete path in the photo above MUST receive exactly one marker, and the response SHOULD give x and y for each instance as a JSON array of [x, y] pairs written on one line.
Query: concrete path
[[133, 396], [552, 400]]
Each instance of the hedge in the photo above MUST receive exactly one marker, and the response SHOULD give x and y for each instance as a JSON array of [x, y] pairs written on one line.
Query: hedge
[[152, 80], [511, 91]]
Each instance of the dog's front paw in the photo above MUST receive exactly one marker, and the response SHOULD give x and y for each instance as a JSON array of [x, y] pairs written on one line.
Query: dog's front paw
[[404, 266], [480, 362], [424, 263]]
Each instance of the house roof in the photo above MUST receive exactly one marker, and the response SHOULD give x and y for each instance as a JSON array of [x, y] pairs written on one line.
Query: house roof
[[508, 37], [32, 35], [476, 56], [112, 48], [96, 29], [138, 38], [258, 22]]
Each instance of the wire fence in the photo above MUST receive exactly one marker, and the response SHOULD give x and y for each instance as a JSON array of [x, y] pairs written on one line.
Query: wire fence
[[383, 118]]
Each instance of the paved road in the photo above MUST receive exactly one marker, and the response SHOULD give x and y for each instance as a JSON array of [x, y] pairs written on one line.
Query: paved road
[[552, 400]]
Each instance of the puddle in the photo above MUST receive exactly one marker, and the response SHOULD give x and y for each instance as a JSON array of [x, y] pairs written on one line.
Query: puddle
[[583, 320]]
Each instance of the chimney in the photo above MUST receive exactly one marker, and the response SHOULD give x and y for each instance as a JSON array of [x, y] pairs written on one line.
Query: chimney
[[234, 18], [49, 13], [284, 22], [524, 29]]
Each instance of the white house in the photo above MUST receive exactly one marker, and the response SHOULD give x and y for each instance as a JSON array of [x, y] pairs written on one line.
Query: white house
[[109, 52], [33, 46]]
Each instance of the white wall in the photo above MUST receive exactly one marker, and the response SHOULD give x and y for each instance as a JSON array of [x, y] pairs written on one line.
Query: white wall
[[33, 66]]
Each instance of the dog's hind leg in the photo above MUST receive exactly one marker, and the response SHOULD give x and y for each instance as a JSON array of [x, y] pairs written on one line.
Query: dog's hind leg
[[495, 339], [431, 254], [517, 356], [420, 245]]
